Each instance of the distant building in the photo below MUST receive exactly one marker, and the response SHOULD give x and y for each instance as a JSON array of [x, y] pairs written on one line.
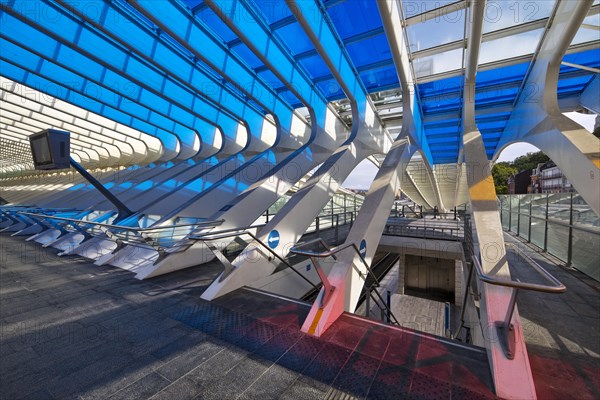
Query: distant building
[[548, 178], [520, 183]]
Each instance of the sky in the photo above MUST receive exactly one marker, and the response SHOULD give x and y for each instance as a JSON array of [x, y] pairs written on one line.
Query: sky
[[365, 172]]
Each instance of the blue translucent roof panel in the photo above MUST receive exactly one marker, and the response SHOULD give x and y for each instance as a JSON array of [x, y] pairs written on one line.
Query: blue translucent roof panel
[[369, 51], [295, 38], [331, 89], [440, 87], [495, 95], [290, 98], [436, 105], [354, 17], [273, 11], [315, 66], [573, 85], [589, 58], [380, 79], [271, 79], [498, 76], [193, 3], [247, 55], [211, 19]]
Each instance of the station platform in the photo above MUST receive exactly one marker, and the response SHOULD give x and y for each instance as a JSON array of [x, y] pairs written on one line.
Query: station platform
[[71, 329]]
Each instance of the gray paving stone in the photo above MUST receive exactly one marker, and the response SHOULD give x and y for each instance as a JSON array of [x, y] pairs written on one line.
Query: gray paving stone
[[143, 388]]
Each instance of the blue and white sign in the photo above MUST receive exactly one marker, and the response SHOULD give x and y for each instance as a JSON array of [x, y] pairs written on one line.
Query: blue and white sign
[[363, 248], [273, 239]]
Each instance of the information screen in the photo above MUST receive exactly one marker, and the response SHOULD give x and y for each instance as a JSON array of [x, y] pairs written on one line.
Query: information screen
[[40, 147]]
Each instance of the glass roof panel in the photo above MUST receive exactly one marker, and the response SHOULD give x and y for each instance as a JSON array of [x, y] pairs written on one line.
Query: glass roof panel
[[510, 46], [369, 51], [437, 31], [585, 34], [354, 17], [412, 8], [438, 63], [504, 14]]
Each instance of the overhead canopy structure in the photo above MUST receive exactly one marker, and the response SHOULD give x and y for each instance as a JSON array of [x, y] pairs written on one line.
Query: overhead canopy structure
[[43, 64]]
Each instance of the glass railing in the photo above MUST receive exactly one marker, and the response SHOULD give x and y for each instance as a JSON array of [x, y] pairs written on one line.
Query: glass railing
[[561, 224]]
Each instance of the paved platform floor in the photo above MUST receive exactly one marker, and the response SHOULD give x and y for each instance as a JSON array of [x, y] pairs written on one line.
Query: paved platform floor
[[429, 317], [73, 330], [562, 331]]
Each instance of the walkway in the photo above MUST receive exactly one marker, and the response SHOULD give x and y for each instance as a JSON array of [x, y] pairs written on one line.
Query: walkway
[[562, 331], [71, 329]]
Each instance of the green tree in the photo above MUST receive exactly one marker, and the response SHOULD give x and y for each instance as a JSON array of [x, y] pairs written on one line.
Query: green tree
[[529, 161], [501, 172]]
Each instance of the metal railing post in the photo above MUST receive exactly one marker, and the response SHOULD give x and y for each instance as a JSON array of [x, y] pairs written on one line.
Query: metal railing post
[[519, 216], [509, 212], [506, 333], [368, 302], [507, 329], [389, 307], [570, 243], [546, 223], [530, 212], [332, 211]]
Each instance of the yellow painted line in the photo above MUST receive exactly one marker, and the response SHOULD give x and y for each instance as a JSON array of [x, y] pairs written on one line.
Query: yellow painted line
[[596, 162], [313, 326], [483, 190]]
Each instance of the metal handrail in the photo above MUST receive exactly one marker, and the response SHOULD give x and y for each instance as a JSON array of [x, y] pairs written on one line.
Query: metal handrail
[[505, 328], [208, 235], [237, 232], [331, 253], [556, 287]]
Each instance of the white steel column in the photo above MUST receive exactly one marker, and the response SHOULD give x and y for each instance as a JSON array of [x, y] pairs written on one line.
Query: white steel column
[[370, 222], [512, 378]]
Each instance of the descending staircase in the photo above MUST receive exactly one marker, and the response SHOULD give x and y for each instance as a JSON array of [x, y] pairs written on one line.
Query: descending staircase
[[355, 357]]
